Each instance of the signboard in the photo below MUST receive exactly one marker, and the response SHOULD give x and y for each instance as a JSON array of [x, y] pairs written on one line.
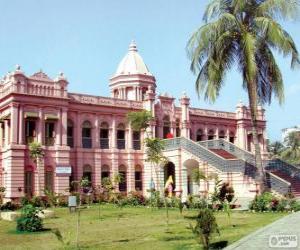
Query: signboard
[[72, 201], [63, 170]]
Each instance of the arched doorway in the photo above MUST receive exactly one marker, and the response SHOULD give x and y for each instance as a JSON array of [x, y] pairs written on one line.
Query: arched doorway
[[169, 170]]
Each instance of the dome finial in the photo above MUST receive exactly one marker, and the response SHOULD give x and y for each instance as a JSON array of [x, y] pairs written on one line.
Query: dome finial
[[132, 46]]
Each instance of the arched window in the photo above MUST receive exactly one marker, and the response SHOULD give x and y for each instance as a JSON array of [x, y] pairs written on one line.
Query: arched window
[[70, 134], [104, 135], [86, 135], [105, 173], [211, 134], [177, 128], [121, 136], [231, 137], [138, 178], [199, 136], [49, 178], [221, 134], [123, 183], [30, 130], [50, 132], [87, 173], [166, 126], [136, 140], [116, 93]]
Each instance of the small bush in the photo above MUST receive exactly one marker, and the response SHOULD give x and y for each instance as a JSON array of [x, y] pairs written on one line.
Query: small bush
[[29, 220], [9, 206], [194, 201], [206, 225], [155, 200], [262, 202]]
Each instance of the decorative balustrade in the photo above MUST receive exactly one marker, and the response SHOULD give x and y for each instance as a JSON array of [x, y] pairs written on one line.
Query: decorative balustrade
[[205, 154], [48, 90], [106, 101], [283, 166], [231, 148], [278, 184], [212, 113]]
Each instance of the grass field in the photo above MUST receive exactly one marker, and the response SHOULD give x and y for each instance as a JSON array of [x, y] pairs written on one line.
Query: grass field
[[129, 228]]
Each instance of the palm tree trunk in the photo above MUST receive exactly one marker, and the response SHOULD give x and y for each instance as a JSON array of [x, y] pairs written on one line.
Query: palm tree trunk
[[261, 177]]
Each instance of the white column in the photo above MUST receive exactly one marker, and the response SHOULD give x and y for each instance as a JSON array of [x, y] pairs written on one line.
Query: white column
[[21, 125], [79, 132], [113, 134], [14, 124], [41, 127], [130, 138], [58, 130], [6, 132], [64, 125]]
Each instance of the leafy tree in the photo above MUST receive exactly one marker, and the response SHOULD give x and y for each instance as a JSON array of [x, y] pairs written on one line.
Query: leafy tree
[[244, 33], [206, 225], [36, 153], [139, 120], [292, 151], [154, 146], [275, 149]]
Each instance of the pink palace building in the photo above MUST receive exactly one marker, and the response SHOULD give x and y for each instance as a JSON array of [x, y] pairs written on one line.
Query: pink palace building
[[88, 136]]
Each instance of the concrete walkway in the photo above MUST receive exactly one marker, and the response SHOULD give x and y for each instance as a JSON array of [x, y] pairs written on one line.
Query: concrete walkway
[[270, 236]]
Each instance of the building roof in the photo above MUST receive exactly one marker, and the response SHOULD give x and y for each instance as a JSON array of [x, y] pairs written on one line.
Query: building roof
[[132, 63]]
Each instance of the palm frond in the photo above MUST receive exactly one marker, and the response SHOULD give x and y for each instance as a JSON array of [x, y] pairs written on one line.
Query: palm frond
[[279, 9]]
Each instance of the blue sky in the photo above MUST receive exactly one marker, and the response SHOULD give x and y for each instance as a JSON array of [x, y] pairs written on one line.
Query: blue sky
[[87, 39]]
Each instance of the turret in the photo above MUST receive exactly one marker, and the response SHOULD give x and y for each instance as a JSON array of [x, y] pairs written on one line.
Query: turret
[[132, 78]]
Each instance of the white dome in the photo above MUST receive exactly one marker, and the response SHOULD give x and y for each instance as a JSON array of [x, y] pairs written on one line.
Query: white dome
[[132, 63]]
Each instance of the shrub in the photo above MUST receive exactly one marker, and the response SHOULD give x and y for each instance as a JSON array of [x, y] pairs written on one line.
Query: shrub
[[2, 190], [135, 199], [62, 201], [29, 220], [25, 201], [194, 201], [206, 225], [294, 205], [36, 201], [262, 202], [9, 206], [155, 200]]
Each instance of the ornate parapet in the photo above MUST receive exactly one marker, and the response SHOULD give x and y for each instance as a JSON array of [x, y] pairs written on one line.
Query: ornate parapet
[[212, 113], [104, 101]]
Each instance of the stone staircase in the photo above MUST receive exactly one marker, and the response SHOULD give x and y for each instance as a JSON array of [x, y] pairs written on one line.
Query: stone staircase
[[294, 182], [227, 157], [224, 154]]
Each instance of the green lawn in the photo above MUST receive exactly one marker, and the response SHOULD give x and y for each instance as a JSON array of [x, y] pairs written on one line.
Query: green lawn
[[129, 228]]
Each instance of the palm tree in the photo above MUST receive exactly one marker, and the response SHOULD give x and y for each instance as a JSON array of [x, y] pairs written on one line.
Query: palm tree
[[275, 149], [36, 153], [292, 151], [245, 33]]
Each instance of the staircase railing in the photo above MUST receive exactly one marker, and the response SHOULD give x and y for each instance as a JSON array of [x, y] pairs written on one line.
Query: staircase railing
[[205, 155], [278, 184], [278, 164], [231, 148]]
